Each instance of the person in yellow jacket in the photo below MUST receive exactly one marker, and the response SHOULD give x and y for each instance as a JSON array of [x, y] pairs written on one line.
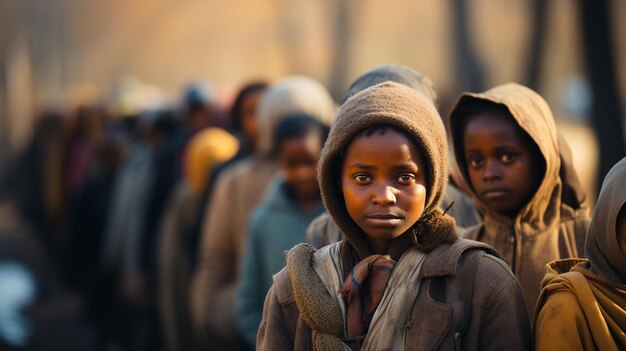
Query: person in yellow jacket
[[582, 305]]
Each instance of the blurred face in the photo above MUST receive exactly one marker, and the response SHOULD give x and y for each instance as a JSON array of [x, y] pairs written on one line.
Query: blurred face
[[503, 164], [621, 229], [249, 116], [384, 185], [298, 158]]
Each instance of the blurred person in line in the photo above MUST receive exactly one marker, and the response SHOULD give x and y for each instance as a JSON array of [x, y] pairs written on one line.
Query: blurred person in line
[[279, 223], [197, 114], [582, 305], [508, 152], [401, 279], [123, 246], [86, 132], [39, 181], [238, 190], [208, 148], [323, 230], [244, 119], [87, 223]]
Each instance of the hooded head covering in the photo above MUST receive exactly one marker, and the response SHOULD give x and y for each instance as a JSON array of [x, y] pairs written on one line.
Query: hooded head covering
[[602, 245], [532, 114], [207, 149], [394, 73], [296, 94], [404, 108]]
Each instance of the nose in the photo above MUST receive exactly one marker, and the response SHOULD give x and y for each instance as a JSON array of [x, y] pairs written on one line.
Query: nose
[[492, 172], [385, 195]]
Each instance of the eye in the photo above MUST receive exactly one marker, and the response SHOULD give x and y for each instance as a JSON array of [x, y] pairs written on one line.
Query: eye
[[362, 178], [406, 178], [507, 158], [475, 162]]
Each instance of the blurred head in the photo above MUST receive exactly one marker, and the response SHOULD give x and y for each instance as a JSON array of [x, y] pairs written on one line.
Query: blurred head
[[245, 108], [394, 73], [198, 107], [294, 94], [504, 165], [383, 180], [207, 149], [298, 142]]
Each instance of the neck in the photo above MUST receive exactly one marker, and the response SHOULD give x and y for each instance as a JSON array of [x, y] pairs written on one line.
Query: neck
[[379, 246]]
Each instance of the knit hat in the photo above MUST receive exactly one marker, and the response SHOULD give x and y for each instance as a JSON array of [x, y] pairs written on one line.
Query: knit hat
[[291, 95], [394, 73], [402, 107]]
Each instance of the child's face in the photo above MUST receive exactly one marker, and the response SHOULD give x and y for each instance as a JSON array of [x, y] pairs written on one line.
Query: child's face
[[298, 158], [504, 165], [621, 229], [384, 185]]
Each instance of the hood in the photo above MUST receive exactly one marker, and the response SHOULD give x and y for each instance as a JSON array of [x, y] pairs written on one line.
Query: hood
[[531, 112], [394, 73], [207, 149], [296, 94], [384, 104], [602, 246]]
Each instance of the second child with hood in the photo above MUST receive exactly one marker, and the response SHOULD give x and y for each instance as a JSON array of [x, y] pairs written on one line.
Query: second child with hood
[[520, 177]]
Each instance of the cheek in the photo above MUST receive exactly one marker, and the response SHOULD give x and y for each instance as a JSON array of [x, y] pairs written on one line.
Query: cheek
[[474, 176], [415, 201], [353, 197]]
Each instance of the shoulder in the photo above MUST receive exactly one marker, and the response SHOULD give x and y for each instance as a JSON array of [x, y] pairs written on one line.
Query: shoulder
[[282, 288], [323, 231], [472, 262], [471, 233]]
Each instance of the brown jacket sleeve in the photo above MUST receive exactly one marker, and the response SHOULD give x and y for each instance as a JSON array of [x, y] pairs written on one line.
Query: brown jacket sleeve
[[505, 324], [273, 333]]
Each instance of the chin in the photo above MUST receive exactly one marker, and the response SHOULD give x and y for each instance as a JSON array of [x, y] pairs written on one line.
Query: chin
[[384, 234]]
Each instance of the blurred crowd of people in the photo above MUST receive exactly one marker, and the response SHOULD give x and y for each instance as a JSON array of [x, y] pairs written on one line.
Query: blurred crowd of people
[[102, 214]]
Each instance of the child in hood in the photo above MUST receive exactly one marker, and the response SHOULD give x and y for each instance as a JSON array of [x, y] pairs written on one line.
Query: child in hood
[[582, 305], [507, 150], [323, 230], [401, 279]]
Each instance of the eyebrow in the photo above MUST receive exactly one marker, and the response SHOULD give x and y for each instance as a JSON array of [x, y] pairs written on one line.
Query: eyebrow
[[362, 166], [402, 166]]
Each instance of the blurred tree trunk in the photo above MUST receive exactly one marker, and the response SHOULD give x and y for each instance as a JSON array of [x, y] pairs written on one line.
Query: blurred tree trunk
[[607, 114], [537, 45], [469, 73], [343, 18]]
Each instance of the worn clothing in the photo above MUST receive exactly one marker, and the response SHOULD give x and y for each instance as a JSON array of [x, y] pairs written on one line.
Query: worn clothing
[[547, 228], [579, 310], [409, 317], [276, 226], [582, 305]]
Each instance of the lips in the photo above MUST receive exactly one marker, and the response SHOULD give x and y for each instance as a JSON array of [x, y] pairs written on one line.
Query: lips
[[384, 219], [495, 194]]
